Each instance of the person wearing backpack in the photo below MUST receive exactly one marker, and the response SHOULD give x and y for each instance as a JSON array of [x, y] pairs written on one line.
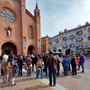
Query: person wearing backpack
[[39, 67]]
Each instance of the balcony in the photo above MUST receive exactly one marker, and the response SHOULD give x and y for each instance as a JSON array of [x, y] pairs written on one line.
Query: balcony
[[72, 45], [88, 46], [88, 37], [65, 38], [79, 39], [78, 47], [54, 49], [71, 37], [50, 43], [79, 32], [89, 29], [56, 40]]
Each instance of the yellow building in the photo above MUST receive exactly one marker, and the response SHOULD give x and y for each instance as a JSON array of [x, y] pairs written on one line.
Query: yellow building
[[44, 44]]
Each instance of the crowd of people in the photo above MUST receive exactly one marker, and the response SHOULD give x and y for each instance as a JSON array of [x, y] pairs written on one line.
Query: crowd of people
[[12, 66], [74, 62]]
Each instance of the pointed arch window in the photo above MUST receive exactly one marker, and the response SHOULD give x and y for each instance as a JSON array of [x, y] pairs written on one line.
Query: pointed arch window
[[30, 32]]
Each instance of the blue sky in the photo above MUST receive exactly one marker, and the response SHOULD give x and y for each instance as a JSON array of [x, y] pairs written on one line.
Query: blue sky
[[56, 15]]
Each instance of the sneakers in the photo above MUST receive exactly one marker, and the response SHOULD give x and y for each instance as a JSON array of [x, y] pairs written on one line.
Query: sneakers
[[52, 85], [13, 84]]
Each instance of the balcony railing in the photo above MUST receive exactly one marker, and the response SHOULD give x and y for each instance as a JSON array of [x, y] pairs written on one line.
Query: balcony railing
[[50, 43], [56, 40], [78, 47], [72, 45], [89, 29], [79, 32], [71, 37], [79, 39], [88, 37], [65, 38]]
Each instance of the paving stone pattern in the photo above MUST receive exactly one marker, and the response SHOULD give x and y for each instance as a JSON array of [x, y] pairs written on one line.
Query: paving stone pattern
[[27, 83], [81, 81]]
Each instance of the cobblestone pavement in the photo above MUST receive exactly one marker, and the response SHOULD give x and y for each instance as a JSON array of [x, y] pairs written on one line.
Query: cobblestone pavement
[[27, 83], [81, 81]]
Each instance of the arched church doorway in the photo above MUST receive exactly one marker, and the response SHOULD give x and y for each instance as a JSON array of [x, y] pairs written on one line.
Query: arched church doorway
[[69, 51], [9, 48], [31, 49]]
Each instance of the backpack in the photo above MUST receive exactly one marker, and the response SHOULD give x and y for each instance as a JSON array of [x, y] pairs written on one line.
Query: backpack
[[39, 63], [29, 62], [10, 65]]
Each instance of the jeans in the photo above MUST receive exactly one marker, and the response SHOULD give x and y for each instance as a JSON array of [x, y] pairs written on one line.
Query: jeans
[[82, 65], [74, 69], [52, 72], [66, 70], [1, 72], [29, 72], [20, 71], [39, 71], [79, 66]]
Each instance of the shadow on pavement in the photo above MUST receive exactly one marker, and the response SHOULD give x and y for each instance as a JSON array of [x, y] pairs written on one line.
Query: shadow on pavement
[[21, 79], [38, 87]]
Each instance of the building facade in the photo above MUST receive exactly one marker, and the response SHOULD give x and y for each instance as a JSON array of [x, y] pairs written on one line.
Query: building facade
[[55, 43], [19, 29], [72, 41], [44, 44]]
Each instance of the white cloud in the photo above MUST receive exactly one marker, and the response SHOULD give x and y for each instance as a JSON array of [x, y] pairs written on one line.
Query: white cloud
[[57, 15], [78, 14]]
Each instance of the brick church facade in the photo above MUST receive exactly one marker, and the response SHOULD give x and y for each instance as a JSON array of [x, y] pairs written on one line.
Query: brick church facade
[[19, 29]]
